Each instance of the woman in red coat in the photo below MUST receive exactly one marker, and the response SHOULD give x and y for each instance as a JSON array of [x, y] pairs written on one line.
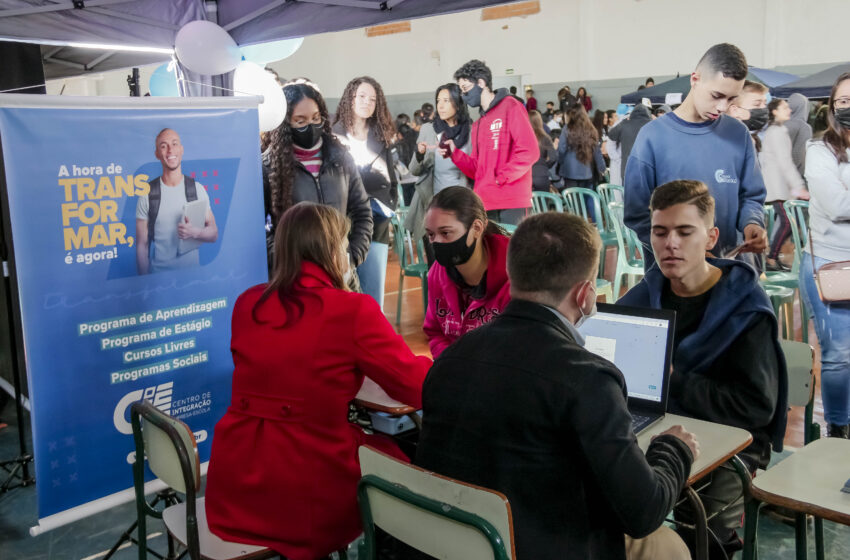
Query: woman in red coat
[[284, 471]]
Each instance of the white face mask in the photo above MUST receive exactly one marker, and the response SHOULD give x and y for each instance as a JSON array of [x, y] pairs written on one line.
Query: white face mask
[[584, 317]]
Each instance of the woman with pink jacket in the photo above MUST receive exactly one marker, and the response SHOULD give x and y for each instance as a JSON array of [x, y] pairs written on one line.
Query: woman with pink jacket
[[468, 285]]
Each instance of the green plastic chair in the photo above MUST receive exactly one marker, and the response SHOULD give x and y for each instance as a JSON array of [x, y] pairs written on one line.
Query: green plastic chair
[[576, 201], [629, 250], [797, 211], [782, 299], [509, 228], [799, 359], [545, 202], [407, 266], [610, 193], [437, 515], [172, 455], [603, 288], [785, 279]]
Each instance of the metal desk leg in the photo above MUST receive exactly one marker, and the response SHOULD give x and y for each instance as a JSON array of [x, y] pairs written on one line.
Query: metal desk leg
[[800, 529], [700, 524], [751, 524], [818, 538]]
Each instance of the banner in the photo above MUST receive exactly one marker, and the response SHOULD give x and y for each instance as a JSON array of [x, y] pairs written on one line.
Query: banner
[[136, 223]]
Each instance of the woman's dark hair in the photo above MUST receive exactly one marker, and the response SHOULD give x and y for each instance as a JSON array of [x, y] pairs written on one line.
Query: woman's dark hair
[[771, 107], [581, 93], [281, 157], [381, 121], [305, 232], [461, 111], [536, 121], [836, 136], [582, 137], [466, 206], [599, 122]]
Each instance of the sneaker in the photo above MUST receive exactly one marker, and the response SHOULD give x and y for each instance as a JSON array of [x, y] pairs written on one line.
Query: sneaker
[[838, 431]]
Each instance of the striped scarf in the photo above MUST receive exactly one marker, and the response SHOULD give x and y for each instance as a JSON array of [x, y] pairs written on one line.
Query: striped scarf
[[310, 158]]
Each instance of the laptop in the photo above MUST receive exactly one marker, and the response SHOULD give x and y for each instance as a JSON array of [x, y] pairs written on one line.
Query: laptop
[[640, 343]]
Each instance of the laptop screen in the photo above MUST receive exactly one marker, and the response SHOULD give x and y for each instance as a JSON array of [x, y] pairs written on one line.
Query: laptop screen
[[638, 341]]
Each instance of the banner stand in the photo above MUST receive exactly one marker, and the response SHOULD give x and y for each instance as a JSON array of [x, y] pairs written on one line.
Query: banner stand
[[19, 467]]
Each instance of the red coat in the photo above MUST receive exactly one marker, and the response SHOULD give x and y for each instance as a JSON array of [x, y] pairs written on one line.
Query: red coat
[[284, 470], [504, 148], [446, 318]]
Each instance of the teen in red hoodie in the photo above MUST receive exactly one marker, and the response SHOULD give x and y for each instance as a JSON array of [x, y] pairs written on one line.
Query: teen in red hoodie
[[468, 285], [503, 146]]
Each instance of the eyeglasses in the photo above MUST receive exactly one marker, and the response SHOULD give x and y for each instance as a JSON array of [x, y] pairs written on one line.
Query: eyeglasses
[[302, 122], [842, 102], [366, 98]]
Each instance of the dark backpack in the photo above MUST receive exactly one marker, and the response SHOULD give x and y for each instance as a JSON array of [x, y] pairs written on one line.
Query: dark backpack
[[155, 197]]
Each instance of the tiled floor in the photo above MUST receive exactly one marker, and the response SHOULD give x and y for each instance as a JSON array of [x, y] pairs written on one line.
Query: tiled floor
[[92, 537]]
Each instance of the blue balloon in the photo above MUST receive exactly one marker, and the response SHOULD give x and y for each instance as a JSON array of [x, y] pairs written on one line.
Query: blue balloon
[[264, 53], [163, 83]]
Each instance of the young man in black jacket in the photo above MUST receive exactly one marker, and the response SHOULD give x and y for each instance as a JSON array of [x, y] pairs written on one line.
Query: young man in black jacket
[[727, 364], [519, 406]]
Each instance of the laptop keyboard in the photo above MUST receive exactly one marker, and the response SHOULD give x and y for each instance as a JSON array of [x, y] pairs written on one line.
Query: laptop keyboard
[[640, 421]]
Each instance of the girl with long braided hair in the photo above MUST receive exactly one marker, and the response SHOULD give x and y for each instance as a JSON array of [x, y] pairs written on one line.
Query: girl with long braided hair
[[305, 161]]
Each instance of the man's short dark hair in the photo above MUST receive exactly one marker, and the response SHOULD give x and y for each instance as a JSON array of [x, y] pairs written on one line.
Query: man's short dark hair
[[727, 59], [646, 83], [550, 253], [683, 191], [427, 108], [513, 90], [473, 71], [552, 103], [417, 117], [640, 87]]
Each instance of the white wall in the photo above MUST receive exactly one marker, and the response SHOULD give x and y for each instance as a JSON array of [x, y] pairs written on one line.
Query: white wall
[[570, 41]]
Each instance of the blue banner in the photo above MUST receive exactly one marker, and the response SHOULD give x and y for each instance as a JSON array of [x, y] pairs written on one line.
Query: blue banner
[[135, 226]]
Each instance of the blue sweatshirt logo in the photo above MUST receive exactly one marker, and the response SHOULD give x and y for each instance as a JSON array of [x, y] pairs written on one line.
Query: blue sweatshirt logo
[[721, 177]]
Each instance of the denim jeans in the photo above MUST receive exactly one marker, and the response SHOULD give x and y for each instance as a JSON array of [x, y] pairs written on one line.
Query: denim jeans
[[832, 325], [373, 272]]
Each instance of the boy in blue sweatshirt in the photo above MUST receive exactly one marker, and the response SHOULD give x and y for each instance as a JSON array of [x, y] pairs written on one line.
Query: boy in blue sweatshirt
[[697, 141], [727, 364]]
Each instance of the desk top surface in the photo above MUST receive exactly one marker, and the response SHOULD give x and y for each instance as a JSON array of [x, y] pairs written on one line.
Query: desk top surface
[[810, 480], [717, 443], [371, 396]]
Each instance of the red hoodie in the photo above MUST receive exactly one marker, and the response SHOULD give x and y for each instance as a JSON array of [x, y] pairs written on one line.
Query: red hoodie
[[503, 150], [446, 319]]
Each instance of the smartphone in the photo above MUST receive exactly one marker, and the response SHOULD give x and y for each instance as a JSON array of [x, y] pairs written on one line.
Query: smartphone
[[444, 144]]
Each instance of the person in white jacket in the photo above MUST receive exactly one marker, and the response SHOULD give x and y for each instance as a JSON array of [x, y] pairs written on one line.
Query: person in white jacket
[[828, 175], [781, 177]]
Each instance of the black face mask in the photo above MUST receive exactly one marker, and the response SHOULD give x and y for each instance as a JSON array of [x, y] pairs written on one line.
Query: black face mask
[[473, 96], [843, 117], [757, 120], [454, 252], [307, 136]]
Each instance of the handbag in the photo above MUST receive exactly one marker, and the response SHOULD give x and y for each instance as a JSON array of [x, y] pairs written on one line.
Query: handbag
[[832, 279]]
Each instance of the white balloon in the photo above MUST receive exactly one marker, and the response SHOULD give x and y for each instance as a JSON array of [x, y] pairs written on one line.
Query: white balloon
[[264, 53], [252, 79], [206, 48]]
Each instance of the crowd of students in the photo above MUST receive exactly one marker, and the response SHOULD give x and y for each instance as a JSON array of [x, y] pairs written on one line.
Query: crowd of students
[[512, 400]]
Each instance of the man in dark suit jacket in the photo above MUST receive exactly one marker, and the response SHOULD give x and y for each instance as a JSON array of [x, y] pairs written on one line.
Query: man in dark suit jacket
[[519, 406]]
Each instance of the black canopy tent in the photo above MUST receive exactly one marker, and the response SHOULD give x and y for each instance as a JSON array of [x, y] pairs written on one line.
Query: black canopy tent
[[84, 36], [657, 94], [816, 86]]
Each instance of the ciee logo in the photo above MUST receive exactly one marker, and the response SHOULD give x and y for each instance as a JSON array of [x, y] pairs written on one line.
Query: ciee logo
[[158, 395]]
